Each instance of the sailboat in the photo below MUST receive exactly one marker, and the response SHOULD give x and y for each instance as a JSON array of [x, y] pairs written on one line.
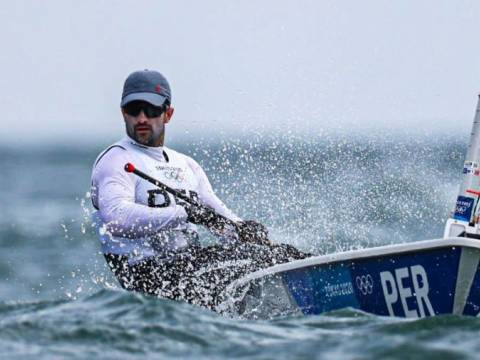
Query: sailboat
[[413, 280]]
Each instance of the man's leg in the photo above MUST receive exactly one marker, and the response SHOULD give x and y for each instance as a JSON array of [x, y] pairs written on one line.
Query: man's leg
[[215, 267], [142, 277], [119, 266], [199, 275]]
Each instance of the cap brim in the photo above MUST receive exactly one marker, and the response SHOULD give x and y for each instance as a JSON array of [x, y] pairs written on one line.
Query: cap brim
[[154, 99]]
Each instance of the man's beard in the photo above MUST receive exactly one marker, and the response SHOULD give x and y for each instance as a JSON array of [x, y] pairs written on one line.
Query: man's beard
[[149, 140]]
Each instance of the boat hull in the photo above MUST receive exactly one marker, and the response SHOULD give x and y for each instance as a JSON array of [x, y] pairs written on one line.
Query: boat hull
[[419, 279]]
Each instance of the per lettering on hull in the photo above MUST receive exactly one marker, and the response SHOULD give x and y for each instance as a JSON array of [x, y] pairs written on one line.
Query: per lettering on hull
[[404, 284]]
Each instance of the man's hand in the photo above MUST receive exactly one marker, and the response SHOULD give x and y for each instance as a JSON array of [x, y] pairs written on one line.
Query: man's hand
[[248, 231], [254, 232], [199, 215]]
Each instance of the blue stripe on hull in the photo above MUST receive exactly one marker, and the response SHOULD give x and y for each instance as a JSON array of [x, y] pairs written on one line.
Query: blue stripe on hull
[[321, 288], [407, 285]]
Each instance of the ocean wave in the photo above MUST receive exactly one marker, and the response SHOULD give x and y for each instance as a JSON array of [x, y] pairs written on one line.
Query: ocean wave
[[118, 324]]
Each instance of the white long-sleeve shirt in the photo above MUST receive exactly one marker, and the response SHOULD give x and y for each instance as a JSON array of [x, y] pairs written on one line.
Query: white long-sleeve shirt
[[136, 218]]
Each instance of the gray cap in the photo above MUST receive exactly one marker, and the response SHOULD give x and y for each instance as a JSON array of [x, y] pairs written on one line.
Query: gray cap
[[146, 85]]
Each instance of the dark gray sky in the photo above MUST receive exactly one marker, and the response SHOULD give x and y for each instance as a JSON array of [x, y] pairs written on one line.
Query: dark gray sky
[[240, 66]]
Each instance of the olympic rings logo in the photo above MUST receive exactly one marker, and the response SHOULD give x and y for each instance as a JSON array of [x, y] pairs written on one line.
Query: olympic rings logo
[[461, 209], [364, 284], [174, 174]]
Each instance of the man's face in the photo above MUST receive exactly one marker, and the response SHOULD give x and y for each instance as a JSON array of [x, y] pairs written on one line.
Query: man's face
[[145, 123]]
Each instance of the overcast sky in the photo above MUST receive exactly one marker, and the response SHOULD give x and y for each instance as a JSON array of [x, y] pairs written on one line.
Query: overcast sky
[[240, 66]]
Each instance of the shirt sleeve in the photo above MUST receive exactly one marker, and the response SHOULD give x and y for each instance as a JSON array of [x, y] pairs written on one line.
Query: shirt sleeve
[[113, 193], [206, 194]]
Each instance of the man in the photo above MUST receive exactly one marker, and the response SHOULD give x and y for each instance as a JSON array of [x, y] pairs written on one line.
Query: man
[[148, 236]]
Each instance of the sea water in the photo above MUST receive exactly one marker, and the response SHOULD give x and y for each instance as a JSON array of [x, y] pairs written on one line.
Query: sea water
[[323, 194]]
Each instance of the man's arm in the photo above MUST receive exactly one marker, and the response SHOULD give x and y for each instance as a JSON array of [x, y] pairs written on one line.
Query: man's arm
[[113, 192]]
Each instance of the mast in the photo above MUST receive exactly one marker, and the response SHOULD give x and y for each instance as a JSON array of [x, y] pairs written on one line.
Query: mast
[[466, 201], [464, 219]]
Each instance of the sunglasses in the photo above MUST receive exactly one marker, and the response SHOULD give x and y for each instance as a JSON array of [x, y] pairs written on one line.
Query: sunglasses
[[135, 107]]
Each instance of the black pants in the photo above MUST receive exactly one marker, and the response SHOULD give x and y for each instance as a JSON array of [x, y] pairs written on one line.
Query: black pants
[[199, 275]]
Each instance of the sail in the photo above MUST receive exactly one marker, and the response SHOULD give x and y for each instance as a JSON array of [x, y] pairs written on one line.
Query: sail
[[464, 219]]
